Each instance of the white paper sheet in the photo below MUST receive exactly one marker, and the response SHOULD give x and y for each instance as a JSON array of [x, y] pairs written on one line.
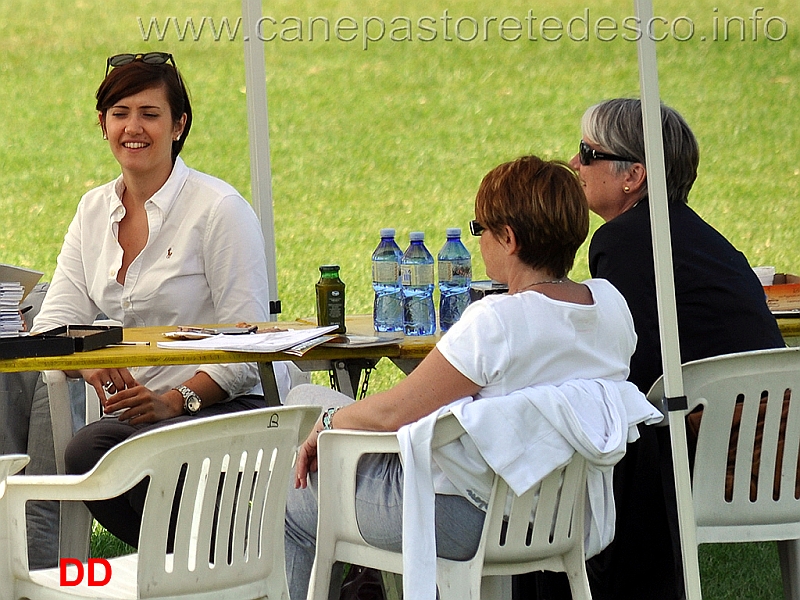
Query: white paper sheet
[[256, 342]]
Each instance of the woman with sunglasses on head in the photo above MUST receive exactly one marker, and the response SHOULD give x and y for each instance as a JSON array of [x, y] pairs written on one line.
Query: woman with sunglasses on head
[[162, 244], [532, 217], [721, 309]]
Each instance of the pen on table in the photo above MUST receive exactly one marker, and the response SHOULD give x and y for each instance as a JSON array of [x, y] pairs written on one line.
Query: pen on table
[[131, 344]]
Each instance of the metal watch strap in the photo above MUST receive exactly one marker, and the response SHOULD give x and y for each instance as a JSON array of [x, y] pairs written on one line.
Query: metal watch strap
[[191, 401]]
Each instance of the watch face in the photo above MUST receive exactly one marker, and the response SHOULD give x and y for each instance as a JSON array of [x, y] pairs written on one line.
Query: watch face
[[193, 404]]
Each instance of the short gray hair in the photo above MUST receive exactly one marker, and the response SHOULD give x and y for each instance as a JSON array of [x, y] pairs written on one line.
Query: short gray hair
[[616, 126]]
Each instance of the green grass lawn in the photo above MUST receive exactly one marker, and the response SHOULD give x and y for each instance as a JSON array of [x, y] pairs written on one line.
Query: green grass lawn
[[401, 134]]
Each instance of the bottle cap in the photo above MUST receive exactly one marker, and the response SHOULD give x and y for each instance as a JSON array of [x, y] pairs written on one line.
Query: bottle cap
[[329, 268], [416, 236], [454, 232], [387, 232]]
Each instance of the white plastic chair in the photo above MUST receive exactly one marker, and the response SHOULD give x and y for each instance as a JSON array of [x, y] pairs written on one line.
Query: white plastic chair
[[75, 527], [227, 477], [9, 464], [772, 510], [508, 545]]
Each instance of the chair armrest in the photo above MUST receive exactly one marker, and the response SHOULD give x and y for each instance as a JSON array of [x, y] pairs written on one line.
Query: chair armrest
[[369, 442], [337, 459], [22, 488]]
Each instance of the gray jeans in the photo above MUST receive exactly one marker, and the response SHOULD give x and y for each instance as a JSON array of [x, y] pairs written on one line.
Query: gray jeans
[[25, 428], [379, 512]]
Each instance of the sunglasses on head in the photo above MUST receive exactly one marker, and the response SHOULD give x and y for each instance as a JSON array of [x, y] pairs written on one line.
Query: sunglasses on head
[[151, 58], [476, 228], [587, 154]]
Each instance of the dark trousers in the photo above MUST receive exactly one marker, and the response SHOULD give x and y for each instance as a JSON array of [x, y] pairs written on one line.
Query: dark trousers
[[643, 561], [122, 515]]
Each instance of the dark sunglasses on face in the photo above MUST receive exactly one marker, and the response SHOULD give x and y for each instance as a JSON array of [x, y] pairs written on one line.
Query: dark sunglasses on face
[[151, 58], [587, 154], [476, 228]]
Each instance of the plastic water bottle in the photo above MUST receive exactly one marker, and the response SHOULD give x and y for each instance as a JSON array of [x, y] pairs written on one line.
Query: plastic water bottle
[[387, 311], [416, 273], [455, 276]]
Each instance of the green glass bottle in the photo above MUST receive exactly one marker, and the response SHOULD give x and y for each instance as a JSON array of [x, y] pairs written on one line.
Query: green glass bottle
[[330, 298]]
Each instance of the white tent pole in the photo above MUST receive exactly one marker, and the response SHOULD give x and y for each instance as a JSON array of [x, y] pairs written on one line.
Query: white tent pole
[[258, 133], [665, 292]]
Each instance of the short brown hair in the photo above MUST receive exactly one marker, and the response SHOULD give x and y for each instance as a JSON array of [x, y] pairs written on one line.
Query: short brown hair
[[138, 76], [544, 205]]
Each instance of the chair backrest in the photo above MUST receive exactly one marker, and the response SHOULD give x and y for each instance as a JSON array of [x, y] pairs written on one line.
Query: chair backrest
[[544, 522], [213, 516], [745, 480], [557, 507]]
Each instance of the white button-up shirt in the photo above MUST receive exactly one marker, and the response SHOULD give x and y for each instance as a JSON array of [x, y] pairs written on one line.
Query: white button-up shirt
[[203, 263]]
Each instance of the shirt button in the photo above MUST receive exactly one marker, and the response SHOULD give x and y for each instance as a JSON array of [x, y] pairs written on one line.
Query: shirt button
[[111, 273]]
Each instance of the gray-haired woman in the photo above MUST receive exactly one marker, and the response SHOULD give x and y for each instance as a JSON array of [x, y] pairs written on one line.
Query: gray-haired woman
[[721, 309]]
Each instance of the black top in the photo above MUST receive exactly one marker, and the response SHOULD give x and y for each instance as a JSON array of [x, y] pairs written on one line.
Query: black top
[[720, 302]]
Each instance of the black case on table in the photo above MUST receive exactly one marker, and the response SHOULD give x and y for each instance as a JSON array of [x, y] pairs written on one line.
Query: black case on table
[[60, 341]]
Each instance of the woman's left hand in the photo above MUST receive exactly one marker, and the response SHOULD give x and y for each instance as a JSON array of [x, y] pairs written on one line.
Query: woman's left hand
[[307, 458], [141, 405]]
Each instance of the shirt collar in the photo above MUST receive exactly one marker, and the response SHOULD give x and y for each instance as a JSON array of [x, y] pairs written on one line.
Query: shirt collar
[[164, 198]]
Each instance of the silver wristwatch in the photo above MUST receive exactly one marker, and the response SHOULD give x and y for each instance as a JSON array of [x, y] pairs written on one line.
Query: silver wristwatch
[[191, 401]]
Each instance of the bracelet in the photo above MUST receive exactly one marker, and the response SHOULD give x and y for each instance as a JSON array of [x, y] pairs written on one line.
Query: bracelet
[[327, 417]]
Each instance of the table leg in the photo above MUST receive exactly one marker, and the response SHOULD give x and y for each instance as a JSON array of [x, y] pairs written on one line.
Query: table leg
[[345, 373], [269, 384], [346, 376]]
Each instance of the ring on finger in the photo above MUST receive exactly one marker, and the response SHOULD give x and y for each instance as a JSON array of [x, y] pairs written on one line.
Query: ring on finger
[[108, 385]]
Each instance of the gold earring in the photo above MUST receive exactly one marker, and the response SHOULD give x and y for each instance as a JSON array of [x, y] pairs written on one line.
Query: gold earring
[[626, 189], [105, 136]]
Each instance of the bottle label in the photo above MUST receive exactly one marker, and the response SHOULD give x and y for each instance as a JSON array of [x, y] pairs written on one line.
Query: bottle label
[[385, 271], [450, 270], [335, 301], [414, 275], [330, 306], [445, 270]]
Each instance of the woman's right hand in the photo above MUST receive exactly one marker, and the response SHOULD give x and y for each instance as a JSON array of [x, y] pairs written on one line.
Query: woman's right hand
[[108, 382], [307, 457]]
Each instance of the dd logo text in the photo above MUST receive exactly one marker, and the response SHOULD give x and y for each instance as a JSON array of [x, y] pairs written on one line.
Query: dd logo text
[[73, 576]]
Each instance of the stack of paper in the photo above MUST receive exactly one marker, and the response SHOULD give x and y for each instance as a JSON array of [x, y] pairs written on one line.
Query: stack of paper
[[11, 294], [27, 278], [254, 342]]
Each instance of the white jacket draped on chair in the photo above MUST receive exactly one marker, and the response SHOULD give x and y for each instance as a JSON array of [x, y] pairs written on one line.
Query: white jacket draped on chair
[[522, 437]]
